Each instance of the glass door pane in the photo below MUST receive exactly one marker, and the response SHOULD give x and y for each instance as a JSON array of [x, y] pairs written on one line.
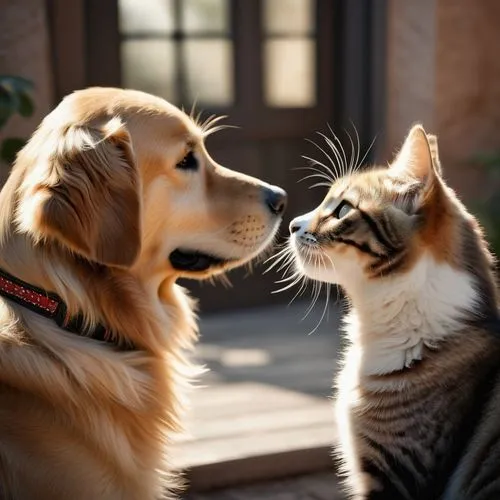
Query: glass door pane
[[181, 50], [149, 65], [289, 53]]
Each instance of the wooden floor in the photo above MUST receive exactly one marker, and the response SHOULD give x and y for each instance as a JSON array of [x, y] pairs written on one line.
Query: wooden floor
[[319, 486], [264, 412]]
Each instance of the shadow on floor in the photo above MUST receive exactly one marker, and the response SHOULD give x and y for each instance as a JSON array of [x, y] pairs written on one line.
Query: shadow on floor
[[273, 346], [321, 486]]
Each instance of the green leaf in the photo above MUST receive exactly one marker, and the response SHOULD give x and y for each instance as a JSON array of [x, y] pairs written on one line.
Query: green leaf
[[15, 97], [7, 106], [18, 84], [10, 147], [26, 105]]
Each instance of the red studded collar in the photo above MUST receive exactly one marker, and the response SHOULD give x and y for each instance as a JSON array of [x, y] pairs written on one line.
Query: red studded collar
[[51, 306]]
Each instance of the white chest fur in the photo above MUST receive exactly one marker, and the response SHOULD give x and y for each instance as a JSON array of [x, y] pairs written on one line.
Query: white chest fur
[[390, 323], [393, 318]]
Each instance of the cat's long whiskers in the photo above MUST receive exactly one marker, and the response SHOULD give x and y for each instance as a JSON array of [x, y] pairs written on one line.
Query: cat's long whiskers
[[325, 309], [366, 154], [285, 249], [274, 264], [327, 170], [286, 266], [358, 146], [277, 262], [289, 278], [324, 254], [329, 158], [316, 170], [328, 290], [315, 300], [342, 150], [353, 151], [320, 184], [316, 290], [301, 289], [315, 163], [315, 295], [313, 176], [281, 256], [288, 286], [333, 148]]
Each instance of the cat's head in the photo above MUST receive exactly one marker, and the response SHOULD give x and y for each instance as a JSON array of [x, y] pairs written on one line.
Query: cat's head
[[378, 223]]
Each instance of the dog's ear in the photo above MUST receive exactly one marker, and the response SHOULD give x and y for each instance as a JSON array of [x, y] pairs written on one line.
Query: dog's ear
[[86, 195]]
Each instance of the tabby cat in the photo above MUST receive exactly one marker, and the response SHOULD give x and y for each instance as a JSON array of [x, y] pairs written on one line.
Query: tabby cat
[[418, 406]]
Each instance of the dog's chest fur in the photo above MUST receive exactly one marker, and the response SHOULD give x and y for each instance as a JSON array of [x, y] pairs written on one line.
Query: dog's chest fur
[[106, 414]]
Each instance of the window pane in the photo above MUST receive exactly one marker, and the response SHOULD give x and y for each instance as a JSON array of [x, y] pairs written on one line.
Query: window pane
[[208, 16], [139, 16], [149, 65], [209, 71], [290, 67], [285, 17]]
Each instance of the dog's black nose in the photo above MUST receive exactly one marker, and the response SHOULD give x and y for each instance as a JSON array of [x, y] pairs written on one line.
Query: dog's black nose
[[275, 199]]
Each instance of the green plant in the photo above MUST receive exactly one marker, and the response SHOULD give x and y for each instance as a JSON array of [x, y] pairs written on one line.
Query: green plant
[[15, 97], [488, 208]]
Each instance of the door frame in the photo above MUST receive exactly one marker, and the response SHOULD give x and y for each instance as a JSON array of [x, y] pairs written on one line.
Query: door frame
[[85, 52]]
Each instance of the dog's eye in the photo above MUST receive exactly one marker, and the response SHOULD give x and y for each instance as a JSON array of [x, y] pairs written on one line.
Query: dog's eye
[[343, 208], [189, 162]]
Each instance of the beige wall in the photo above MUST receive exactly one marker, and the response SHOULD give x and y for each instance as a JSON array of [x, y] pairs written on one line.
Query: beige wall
[[444, 70], [24, 51], [410, 67]]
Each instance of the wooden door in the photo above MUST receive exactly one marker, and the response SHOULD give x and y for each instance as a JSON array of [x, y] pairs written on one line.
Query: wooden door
[[275, 67]]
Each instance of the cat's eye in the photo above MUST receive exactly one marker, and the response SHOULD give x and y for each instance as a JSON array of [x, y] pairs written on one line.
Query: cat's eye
[[189, 162], [343, 208]]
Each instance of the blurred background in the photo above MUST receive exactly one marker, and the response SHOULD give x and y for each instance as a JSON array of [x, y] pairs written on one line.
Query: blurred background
[[281, 70]]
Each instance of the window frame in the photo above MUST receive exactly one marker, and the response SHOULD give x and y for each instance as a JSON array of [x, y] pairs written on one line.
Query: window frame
[[249, 109], [177, 37], [351, 48]]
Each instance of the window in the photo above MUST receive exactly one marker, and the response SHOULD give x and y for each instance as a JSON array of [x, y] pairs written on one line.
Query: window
[[178, 49], [289, 53], [183, 50]]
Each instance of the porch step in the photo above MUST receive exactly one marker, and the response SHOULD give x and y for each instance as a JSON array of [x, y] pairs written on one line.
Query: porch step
[[250, 432]]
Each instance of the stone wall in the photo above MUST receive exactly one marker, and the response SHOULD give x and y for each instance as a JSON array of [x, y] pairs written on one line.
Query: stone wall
[[444, 70]]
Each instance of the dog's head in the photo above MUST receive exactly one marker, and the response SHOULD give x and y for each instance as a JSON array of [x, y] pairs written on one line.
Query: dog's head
[[123, 179]]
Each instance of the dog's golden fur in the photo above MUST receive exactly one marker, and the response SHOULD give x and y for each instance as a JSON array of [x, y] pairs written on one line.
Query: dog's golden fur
[[92, 210]]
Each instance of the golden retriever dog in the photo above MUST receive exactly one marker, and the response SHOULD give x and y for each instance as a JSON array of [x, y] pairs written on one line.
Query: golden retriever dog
[[111, 201]]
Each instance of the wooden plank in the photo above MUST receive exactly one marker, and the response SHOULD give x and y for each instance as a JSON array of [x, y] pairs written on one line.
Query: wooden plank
[[275, 442], [244, 432], [254, 423], [264, 411], [254, 469], [229, 400], [318, 486], [221, 394]]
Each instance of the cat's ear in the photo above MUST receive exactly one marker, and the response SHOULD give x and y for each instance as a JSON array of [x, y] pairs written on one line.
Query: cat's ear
[[433, 146], [418, 158]]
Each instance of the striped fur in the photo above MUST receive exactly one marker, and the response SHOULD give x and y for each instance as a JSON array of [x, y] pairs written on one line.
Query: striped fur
[[418, 404]]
